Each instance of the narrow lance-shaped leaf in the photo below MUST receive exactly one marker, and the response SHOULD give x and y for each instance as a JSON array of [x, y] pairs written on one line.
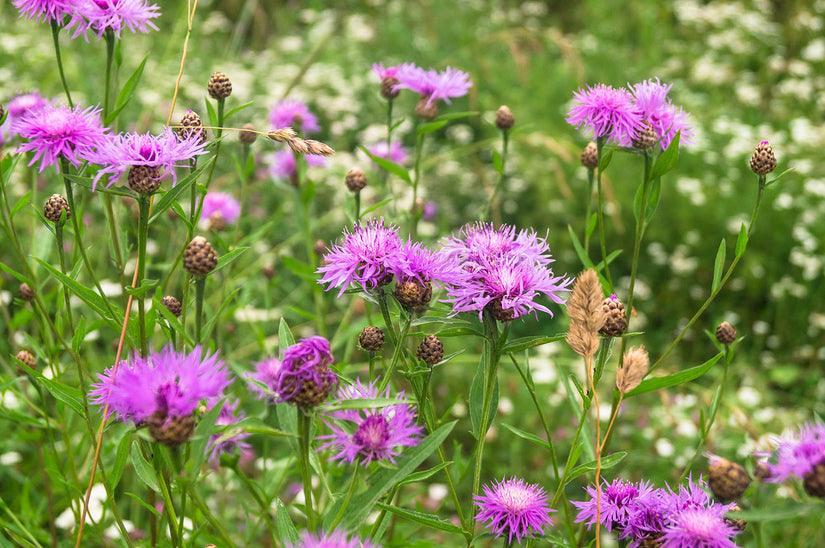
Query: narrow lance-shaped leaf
[[718, 266]]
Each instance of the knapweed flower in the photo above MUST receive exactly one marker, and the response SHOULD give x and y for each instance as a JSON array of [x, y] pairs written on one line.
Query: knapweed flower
[[390, 72], [651, 100], [397, 153], [798, 453], [432, 84], [43, 10], [230, 439], [292, 113], [18, 107], [616, 503], [606, 111], [419, 271], [699, 528], [377, 433], [302, 377], [501, 268], [336, 539], [220, 207], [112, 15], [166, 151], [56, 132], [282, 164], [369, 255], [514, 508]]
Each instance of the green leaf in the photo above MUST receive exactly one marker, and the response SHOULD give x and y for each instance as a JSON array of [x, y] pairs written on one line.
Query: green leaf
[[380, 482], [523, 343], [527, 436], [21, 203], [228, 258], [607, 462], [20, 277], [285, 336], [200, 439], [775, 179], [424, 474], [591, 223], [286, 530], [126, 92], [79, 334], [122, 454], [653, 198], [171, 195], [67, 394], [376, 206], [455, 116], [302, 269], [682, 377], [666, 160], [637, 203], [140, 291], [775, 512], [605, 161], [741, 241], [477, 401], [718, 266], [237, 109], [389, 166], [361, 403], [212, 115], [429, 127], [143, 468], [497, 162], [427, 520], [585, 260]]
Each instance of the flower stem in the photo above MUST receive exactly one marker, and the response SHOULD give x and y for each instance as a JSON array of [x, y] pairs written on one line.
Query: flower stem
[[488, 211], [200, 285], [414, 213], [304, 426], [58, 232], [587, 232], [257, 494], [347, 498], [110, 56], [490, 358], [397, 351], [143, 235], [55, 32], [599, 147]]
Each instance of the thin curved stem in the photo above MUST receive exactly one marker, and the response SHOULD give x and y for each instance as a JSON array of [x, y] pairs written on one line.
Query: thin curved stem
[[304, 425], [490, 357], [58, 57], [599, 147]]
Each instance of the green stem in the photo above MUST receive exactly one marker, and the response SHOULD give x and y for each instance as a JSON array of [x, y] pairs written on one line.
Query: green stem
[[600, 212], [304, 426], [490, 358], [376, 527], [109, 36], [385, 313], [218, 132], [587, 232], [347, 498], [144, 205], [55, 32], [357, 207], [200, 285], [165, 490], [414, 213], [213, 521], [387, 176], [58, 232], [396, 353], [488, 211], [255, 491]]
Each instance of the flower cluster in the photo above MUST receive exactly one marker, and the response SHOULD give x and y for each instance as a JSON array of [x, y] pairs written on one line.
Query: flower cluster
[[293, 113], [431, 84], [502, 268], [515, 508], [801, 454], [622, 115], [378, 432], [99, 16], [674, 519], [220, 207]]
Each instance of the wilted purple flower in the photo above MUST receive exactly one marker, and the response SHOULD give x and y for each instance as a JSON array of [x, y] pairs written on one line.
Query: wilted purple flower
[[283, 165], [699, 528], [336, 539], [115, 15], [515, 508], [377, 433], [397, 154], [303, 377], [43, 10], [226, 441], [222, 204], [432, 84], [370, 255], [168, 382], [295, 114], [608, 112], [616, 503], [651, 100], [168, 151], [61, 132], [798, 453]]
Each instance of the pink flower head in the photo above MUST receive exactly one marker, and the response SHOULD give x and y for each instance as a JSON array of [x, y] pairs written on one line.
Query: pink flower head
[[295, 114], [266, 372], [229, 439], [112, 15], [798, 453], [397, 153], [336, 539], [514, 508], [374, 434], [617, 503], [18, 107], [423, 265], [699, 528], [433, 84], [608, 112], [283, 165], [224, 204], [60, 132], [389, 72], [43, 10], [651, 100], [307, 360], [120, 152], [168, 382]]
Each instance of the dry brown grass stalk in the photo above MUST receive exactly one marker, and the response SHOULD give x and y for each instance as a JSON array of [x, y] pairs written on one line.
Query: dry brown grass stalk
[[586, 313]]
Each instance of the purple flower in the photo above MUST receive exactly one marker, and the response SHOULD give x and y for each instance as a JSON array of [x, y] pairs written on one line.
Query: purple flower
[[608, 112], [397, 154], [60, 132], [283, 166], [389, 72], [220, 203], [114, 15], [651, 100], [292, 113], [336, 539], [302, 377], [43, 10], [514, 508], [167, 382], [377, 432], [423, 265], [699, 528], [798, 453], [500, 267], [17, 108], [616, 503], [432, 84], [120, 152], [370, 255], [229, 439], [429, 212]]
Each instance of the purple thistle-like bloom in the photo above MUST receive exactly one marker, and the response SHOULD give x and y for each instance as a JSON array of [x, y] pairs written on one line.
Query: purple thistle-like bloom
[[616, 504], [308, 360], [423, 265], [43, 10], [378, 432], [336, 539], [397, 153], [515, 508], [224, 204], [226, 441], [433, 84], [390, 72], [371, 255], [60, 132], [798, 453], [608, 112], [699, 528], [651, 100], [266, 372], [115, 15], [17, 108], [167, 382], [283, 164], [119, 153], [295, 114]]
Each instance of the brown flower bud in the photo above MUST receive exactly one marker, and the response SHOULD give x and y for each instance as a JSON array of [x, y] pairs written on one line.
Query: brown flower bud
[[725, 333], [54, 208], [172, 305], [371, 339], [219, 86], [763, 160], [199, 259], [431, 350], [356, 180], [504, 118], [590, 156], [144, 179]]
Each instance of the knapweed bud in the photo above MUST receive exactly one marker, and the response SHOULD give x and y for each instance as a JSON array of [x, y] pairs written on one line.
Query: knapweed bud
[[504, 118], [735, 522], [727, 480], [763, 160], [409, 293], [144, 179], [219, 86], [371, 339], [725, 333], [199, 258], [590, 156], [27, 358], [2, 112], [500, 313], [191, 124], [615, 321], [170, 431], [431, 350], [305, 378], [387, 85], [356, 180], [426, 109], [54, 208], [646, 138], [814, 481], [319, 248], [216, 222], [633, 370], [25, 292], [248, 135], [172, 305]]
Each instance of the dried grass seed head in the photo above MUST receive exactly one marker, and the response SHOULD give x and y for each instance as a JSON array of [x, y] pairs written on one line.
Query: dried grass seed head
[[634, 368]]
